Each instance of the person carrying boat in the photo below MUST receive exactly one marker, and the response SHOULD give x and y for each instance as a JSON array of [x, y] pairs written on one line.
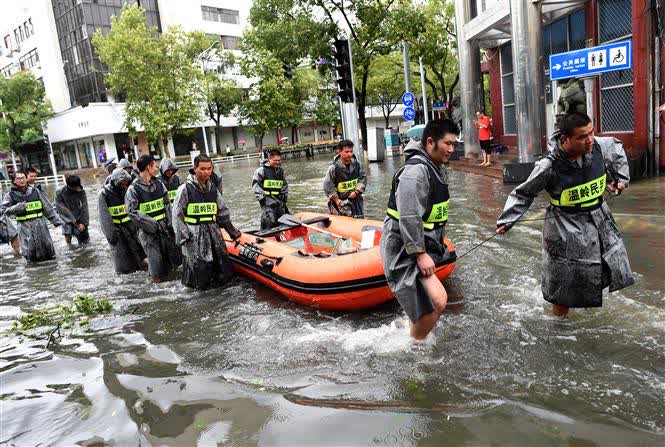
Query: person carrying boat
[[271, 190], [72, 205], [120, 231], [199, 213], [31, 208], [412, 243], [147, 203], [583, 252], [167, 174], [345, 183]]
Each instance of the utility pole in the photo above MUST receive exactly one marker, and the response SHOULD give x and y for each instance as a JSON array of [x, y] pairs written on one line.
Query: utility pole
[[347, 92], [422, 86]]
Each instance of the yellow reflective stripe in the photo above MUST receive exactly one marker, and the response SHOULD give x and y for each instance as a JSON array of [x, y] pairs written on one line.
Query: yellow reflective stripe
[[122, 220], [172, 194], [272, 184], [190, 220], [439, 213], [427, 225], [271, 193], [159, 217], [33, 206], [202, 209], [392, 213], [152, 206], [347, 186], [117, 210], [30, 216], [577, 195]]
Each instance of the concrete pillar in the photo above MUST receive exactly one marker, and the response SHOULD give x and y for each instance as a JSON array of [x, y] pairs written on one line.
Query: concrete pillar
[[470, 78], [78, 156], [94, 153], [170, 148], [528, 76], [111, 149]]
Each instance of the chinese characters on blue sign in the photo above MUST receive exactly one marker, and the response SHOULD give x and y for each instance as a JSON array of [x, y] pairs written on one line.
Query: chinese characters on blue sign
[[591, 61]]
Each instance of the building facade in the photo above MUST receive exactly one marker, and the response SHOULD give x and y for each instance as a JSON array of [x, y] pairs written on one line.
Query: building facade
[[510, 41], [52, 38]]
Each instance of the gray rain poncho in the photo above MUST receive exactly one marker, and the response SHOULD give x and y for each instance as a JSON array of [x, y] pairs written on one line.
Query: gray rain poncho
[[172, 183], [583, 251], [272, 200], [33, 234], [206, 259], [156, 236], [72, 207], [403, 239], [7, 229], [339, 173], [122, 235]]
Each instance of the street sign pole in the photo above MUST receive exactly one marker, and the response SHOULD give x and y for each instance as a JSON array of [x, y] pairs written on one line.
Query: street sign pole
[[422, 86], [352, 113]]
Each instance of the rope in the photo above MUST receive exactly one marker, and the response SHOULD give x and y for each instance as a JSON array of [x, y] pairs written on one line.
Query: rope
[[519, 220]]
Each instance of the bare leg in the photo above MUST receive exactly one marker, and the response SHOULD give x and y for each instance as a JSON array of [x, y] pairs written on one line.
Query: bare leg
[[559, 311], [489, 160], [68, 239], [437, 293], [16, 247]]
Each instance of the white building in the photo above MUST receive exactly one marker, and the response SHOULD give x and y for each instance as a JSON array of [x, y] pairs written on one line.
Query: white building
[[52, 38]]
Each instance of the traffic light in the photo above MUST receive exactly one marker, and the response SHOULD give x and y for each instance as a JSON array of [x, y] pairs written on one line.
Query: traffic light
[[343, 69], [287, 70]]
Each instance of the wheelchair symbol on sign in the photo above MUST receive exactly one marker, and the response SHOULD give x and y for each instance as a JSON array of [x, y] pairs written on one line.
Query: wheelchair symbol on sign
[[618, 57]]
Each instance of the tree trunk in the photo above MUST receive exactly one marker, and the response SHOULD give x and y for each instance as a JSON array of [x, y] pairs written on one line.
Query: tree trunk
[[361, 107], [218, 138]]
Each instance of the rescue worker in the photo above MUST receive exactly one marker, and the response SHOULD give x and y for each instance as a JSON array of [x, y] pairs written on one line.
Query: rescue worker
[[413, 232], [32, 174], [271, 190], [167, 174], [120, 231], [110, 166], [29, 206], [199, 213], [147, 203], [582, 248], [8, 233], [127, 166], [72, 205], [345, 183]]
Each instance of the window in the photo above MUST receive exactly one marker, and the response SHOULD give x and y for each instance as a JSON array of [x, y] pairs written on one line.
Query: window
[[8, 42], [508, 90], [616, 88], [29, 60], [32, 28], [220, 15], [230, 42]]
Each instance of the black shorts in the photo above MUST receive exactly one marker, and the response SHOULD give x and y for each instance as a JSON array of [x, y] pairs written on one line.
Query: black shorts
[[485, 146]]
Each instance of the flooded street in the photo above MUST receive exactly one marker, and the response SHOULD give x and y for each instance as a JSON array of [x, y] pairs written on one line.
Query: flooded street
[[242, 366]]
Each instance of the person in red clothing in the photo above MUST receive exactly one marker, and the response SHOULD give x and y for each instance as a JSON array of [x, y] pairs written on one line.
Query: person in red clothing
[[484, 135]]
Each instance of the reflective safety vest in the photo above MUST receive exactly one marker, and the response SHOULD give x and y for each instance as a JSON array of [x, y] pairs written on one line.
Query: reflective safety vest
[[347, 181], [171, 184], [116, 207], [201, 206], [152, 202], [582, 188], [273, 181], [435, 215], [33, 205]]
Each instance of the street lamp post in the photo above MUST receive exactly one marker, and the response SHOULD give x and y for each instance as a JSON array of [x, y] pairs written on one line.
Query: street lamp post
[[203, 67]]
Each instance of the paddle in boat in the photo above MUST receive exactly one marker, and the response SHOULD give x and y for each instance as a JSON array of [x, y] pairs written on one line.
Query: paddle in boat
[[319, 260]]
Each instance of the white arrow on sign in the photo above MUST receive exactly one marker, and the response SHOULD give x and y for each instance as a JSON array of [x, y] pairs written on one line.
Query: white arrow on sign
[[557, 67]]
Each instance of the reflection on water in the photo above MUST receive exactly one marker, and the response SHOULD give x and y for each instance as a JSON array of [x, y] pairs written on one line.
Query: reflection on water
[[242, 366]]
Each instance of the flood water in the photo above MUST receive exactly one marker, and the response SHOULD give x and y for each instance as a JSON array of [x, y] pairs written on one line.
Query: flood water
[[241, 366]]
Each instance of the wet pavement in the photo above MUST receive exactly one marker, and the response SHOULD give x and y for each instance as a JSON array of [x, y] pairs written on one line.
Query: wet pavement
[[242, 366]]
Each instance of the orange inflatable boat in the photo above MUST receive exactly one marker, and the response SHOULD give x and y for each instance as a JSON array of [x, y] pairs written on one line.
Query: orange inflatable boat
[[318, 269]]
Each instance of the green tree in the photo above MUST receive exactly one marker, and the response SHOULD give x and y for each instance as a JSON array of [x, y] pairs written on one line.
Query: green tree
[[436, 44], [159, 74], [222, 94], [303, 30], [268, 103], [24, 110], [385, 84]]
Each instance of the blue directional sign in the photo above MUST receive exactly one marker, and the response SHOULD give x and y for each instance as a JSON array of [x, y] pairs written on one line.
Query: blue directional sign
[[592, 61], [408, 99], [409, 113]]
